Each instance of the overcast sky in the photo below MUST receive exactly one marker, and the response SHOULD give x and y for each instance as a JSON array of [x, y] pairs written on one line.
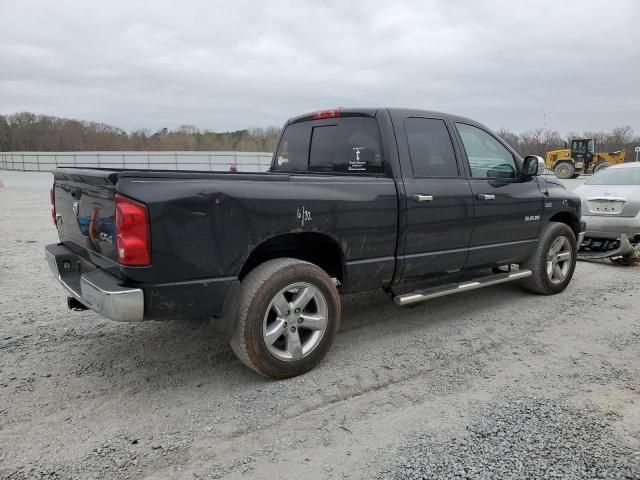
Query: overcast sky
[[235, 64]]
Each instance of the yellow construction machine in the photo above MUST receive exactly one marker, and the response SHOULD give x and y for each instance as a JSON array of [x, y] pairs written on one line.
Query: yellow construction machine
[[581, 158]]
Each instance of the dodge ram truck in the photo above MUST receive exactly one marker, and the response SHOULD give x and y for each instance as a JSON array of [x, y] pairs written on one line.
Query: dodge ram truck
[[418, 203]]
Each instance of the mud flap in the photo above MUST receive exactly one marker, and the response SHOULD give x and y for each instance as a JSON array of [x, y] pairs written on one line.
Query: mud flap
[[225, 323]]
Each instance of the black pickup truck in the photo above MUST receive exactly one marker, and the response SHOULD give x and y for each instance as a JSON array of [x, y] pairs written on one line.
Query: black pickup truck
[[418, 203]]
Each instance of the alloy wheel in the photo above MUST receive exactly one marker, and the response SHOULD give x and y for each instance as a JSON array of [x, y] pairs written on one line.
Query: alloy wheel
[[559, 260], [295, 321]]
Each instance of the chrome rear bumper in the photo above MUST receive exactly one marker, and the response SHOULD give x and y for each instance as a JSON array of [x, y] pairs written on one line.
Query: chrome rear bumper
[[96, 289]]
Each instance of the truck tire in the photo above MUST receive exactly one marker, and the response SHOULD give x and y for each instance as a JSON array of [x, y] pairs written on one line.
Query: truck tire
[[553, 262], [564, 170], [288, 318], [601, 166]]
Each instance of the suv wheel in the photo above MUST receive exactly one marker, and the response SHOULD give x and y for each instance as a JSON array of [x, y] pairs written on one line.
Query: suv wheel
[[553, 262], [288, 317]]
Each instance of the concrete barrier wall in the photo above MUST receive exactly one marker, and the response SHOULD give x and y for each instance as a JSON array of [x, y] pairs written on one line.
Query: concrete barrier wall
[[198, 161]]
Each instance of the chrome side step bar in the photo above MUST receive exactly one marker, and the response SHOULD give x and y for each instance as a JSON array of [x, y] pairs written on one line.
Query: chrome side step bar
[[429, 293]]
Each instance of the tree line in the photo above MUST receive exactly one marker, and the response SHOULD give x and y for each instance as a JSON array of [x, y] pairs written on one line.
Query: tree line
[[30, 132], [26, 131], [541, 140]]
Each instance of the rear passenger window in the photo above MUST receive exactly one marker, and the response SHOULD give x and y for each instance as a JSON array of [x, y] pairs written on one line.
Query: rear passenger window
[[349, 145], [430, 148]]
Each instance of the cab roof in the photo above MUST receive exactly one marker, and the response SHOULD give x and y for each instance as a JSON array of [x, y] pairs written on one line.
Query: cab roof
[[338, 112]]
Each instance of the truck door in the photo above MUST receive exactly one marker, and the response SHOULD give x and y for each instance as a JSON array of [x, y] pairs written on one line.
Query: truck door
[[439, 201], [507, 206]]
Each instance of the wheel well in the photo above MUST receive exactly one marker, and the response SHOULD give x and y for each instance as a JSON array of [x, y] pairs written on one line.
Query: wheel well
[[316, 248], [568, 219]]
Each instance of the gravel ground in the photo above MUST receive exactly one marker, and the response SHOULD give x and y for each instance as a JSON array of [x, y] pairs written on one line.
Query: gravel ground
[[523, 437], [496, 383]]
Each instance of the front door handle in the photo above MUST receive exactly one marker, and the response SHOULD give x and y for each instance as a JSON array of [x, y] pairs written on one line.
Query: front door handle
[[485, 196], [422, 198]]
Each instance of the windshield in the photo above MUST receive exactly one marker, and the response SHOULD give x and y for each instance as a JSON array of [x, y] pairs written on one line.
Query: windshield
[[579, 146], [616, 176]]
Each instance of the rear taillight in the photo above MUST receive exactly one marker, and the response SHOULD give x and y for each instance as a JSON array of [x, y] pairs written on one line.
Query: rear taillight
[[330, 113], [133, 242], [52, 199]]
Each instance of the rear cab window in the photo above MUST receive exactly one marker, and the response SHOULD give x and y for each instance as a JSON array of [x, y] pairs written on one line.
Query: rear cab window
[[347, 145], [293, 151]]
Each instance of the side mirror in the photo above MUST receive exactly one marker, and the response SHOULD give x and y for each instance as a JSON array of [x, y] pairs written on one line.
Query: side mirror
[[533, 165]]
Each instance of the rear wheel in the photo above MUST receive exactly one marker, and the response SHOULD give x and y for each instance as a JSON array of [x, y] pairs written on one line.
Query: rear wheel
[[288, 317], [553, 262], [564, 170], [601, 166]]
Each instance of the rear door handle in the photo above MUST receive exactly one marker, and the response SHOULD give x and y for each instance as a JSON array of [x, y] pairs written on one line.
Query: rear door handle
[[485, 196], [422, 198]]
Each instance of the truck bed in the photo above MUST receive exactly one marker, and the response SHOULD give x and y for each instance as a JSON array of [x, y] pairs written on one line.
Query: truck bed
[[205, 226]]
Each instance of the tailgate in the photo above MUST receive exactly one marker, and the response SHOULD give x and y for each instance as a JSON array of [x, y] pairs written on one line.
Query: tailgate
[[84, 204]]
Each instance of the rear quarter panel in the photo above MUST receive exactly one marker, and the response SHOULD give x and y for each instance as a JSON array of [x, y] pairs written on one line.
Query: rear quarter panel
[[207, 227]]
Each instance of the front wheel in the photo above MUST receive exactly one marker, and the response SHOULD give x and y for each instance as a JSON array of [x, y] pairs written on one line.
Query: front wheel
[[288, 317], [553, 262], [564, 170]]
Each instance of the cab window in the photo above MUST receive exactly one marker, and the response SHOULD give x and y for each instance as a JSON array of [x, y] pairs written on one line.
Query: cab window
[[578, 146], [430, 148], [352, 145], [488, 158], [293, 149], [349, 145]]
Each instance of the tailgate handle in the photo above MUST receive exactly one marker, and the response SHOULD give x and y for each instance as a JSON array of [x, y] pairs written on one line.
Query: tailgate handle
[[418, 197], [485, 196]]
